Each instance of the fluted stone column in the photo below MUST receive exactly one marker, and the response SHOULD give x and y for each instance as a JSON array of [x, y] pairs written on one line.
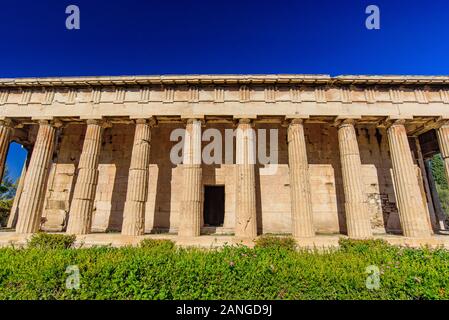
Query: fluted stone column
[[443, 141], [301, 201], [192, 195], [246, 223], [136, 194], [80, 216], [408, 196], [5, 137], [356, 207], [32, 198]]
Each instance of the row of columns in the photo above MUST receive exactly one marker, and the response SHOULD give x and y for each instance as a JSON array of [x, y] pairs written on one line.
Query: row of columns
[[411, 210], [80, 214], [192, 196]]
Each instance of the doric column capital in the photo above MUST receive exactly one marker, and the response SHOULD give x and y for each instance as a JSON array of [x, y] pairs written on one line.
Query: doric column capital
[[11, 123], [443, 139], [441, 123], [296, 121], [191, 120], [294, 125], [43, 122], [6, 122], [100, 122], [399, 122], [56, 123], [293, 119], [345, 121], [393, 122], [152, 122], [140, 121], [5, 138], [93, 121], [244, 121]]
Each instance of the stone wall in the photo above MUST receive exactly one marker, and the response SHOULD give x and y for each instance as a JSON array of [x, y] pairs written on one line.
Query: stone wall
[[273, 193], [115, 157], [62, 178]]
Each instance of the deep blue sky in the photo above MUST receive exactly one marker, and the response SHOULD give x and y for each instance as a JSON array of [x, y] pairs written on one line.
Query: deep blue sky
[[216, 36]]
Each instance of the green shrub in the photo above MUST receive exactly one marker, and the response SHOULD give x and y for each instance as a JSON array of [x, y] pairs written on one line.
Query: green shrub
[[288, 243], [439, 175], [438, 171], [51, 241], [5, 208], [7, 192], [157, 243], [362, 245], [261, 273]]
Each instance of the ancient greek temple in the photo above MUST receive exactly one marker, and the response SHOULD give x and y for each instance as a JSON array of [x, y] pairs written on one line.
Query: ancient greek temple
[[352, 154]]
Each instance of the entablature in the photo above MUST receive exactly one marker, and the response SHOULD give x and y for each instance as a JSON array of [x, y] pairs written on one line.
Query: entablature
[[220, 96]]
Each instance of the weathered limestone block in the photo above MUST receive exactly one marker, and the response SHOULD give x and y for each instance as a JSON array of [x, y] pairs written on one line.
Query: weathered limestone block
[[325, 178], [80, 216], [229, 218], [246, 222], [374, 200], [301, 200], [134, 211], [165, 191], [324, 198], [356, 209], [57, 200], [408, 195], [61, 179], [192, 199], [273, 194], [31, 200], [113, 171]]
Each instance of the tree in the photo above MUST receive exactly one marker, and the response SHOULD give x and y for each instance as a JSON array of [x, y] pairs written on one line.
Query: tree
[[437, 165], [438, 171], [8, 189]]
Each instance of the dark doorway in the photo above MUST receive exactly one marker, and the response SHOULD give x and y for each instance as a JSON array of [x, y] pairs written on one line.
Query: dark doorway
[[214, 199]]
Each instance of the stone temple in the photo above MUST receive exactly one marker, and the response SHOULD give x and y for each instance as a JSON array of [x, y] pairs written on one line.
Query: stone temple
[[352, 154]]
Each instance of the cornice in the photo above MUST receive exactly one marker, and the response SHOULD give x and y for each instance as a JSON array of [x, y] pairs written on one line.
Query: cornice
[[165, 80], [318, 79]]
